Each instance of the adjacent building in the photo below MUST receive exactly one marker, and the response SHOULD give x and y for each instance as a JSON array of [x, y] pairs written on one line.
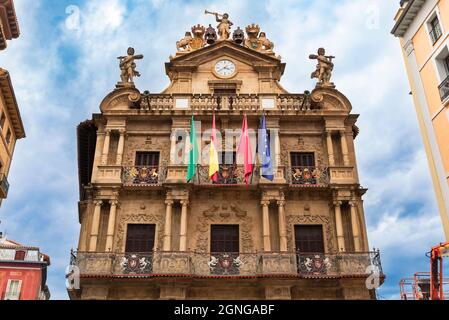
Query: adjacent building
[[422, 27], [9, 28], [11, 126], [23, 272], [147, 233]]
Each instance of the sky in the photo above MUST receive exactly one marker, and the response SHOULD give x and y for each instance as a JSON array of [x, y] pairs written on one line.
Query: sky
[[64, 64]]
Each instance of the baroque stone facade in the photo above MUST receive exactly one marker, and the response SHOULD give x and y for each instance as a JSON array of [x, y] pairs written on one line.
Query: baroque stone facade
[[129, 176]]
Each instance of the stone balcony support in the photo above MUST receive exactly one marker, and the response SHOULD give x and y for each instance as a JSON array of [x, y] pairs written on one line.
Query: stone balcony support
[[95, 226], [266, 226], [111, 225], [183, 227], [339, 226], [355, 226], [168, 225]]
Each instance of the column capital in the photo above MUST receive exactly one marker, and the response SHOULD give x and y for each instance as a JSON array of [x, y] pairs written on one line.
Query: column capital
[[184, 202], [281, 203], [265, 203], [352, 203], [342, 131], [337, 203], [169, 202], [108, 131], [98, 203], [114, 202]]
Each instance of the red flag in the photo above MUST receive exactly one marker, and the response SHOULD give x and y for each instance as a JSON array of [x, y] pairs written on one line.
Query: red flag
[[245, 149]]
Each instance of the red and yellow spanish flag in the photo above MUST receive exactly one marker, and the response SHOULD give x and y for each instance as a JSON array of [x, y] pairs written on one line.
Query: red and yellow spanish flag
[[213, 154]]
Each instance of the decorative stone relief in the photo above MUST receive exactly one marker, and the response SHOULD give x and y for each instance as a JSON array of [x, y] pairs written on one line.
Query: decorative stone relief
[[220, 214], [308, 144], [293, 220], [158, 220], [136, 143]]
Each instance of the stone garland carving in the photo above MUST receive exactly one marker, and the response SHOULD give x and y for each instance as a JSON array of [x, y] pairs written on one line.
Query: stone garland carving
[[135, 144], [293, 220], [224, 214], [311, 144], [158, 220]]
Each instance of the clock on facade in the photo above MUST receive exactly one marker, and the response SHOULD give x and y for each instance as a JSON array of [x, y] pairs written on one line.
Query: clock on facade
[[225, 68]]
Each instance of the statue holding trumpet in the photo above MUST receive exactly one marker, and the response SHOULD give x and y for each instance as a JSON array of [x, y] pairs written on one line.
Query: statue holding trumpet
[[224, 24]]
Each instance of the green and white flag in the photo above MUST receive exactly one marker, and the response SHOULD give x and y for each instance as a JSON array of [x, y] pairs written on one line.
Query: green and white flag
[[193, 154]]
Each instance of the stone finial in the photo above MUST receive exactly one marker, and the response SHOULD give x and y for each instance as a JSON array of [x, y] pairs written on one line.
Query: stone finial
[[324, 68], [128, 67]]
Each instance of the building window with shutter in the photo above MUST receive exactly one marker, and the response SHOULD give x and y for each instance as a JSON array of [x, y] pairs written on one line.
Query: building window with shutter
[[13, 290], [147, 159], [435, 31], [309, 239], [140, 238]]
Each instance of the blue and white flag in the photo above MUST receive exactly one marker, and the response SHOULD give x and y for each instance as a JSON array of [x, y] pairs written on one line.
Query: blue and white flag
[[264, 151]]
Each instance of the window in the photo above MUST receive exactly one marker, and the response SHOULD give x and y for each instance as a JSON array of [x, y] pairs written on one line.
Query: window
[[140, 238], [309, 239], [13, 290], [224, 238], [302, 159], [8, 136], [446, 65], [150, 159], [20, 255], [435, 29], [2, 120], [347, 227], [227, 157]]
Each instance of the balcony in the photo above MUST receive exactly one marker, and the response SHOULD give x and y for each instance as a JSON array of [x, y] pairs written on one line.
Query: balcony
[[4, 186], [143, 175], [444, 89], [309, 176], [222, 264], [162, 103]]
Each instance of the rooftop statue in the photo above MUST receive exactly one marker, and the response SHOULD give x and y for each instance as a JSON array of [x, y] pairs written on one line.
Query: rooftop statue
[[324, 68], [224, 24], [128, 66]]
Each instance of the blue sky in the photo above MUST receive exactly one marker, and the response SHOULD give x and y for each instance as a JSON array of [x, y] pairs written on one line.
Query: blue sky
[[62, 67]]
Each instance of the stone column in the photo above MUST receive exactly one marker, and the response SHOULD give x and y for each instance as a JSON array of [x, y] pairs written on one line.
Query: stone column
[[167, 229], [277, 149], [95, 226], [120, 148], [173, 155], [330, 149], [183, 227], [111, 225], [266, 226], [104, 155], [344, 148], [355, 226], [339, 226], [282, 226]]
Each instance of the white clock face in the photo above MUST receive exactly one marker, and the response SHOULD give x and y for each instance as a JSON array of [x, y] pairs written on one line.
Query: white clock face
[[225, 68]]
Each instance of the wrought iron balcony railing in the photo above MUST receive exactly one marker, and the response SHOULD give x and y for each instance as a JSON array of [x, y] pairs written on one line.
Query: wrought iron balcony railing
[[4, 186], [224, 264], [308, 176], [444, 89], [228, 174], [143, 175]]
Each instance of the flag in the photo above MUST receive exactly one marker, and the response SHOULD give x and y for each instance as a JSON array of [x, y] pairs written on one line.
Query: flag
[[213, 155], [193, 154], [264, 151], [245, 149]]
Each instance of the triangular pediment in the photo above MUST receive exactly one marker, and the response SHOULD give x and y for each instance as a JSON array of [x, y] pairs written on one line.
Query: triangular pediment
[[192, 60]]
